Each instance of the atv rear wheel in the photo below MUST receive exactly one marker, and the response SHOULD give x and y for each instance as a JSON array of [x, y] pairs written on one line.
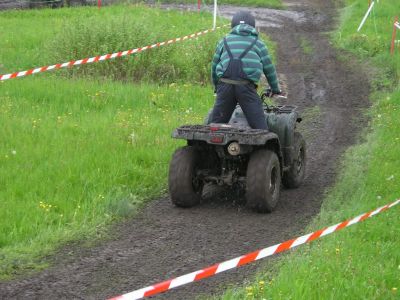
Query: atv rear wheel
[[263, 181], [184, 187], [294, 177]]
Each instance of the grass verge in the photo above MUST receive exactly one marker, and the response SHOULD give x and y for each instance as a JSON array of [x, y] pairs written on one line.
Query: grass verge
[[361, 262]]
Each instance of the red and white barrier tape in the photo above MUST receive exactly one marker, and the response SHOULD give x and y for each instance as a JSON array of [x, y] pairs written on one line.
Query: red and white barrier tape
[[102, 57], [397, 24], [247, 258]]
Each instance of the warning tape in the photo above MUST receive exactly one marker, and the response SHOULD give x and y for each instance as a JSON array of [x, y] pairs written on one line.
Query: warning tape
[[247, 258], [103, 57]]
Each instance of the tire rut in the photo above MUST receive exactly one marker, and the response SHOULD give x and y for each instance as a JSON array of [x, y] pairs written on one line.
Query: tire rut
[[163, 241]]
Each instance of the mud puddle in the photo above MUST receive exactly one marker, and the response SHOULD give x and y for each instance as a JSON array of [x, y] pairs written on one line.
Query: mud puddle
[[266, 17]]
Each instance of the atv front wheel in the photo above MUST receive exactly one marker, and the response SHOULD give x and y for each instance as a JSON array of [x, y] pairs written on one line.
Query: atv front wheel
[[294, 177], [263, 181], [184, 187]]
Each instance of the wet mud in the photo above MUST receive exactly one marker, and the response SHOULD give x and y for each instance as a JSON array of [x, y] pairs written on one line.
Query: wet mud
[[163, 241]]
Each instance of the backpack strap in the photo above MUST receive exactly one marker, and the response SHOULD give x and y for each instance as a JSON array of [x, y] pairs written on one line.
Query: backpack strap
[[248, 48]]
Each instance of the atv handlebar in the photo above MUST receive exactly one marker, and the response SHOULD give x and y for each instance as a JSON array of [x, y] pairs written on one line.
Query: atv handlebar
[[269, 94]]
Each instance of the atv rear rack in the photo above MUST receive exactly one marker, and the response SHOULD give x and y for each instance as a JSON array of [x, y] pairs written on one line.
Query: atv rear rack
[[223, 134], [281, 109]]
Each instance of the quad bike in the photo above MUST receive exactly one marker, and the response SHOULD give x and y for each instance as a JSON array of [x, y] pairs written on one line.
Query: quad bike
[[252, 160]]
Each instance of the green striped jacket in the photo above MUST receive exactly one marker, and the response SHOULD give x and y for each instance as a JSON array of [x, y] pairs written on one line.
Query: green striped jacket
[[256, 61]]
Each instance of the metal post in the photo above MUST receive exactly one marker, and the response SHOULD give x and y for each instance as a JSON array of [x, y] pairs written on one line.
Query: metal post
[[215, 14]]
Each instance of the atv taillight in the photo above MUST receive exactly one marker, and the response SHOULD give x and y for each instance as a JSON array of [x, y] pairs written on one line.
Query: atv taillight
[[214, 128], [217, 139]]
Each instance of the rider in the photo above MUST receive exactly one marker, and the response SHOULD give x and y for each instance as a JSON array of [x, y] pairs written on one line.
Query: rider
[[238, 62]]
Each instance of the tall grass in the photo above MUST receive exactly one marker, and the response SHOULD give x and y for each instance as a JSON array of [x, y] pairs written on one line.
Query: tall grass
[[87, 32], [136, 27], [361, 262], [80, 149]]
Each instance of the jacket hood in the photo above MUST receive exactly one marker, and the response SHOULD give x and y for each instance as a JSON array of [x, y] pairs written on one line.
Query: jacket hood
[[244, 29]]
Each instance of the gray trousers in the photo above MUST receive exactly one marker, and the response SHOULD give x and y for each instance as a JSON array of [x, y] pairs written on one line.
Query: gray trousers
[[228, 95]]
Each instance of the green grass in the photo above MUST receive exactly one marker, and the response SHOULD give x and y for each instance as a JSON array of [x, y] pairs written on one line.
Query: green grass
[[306, 46], [361, 262], [79, 149], [257, 3], [37, 38], [76, 154], [86, 146]]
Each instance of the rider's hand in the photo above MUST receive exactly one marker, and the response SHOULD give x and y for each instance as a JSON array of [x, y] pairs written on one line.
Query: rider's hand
[[267, 93]]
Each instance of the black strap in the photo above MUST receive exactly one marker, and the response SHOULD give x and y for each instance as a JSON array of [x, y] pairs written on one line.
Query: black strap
[[245, 51], [248, 48], [227, 49]]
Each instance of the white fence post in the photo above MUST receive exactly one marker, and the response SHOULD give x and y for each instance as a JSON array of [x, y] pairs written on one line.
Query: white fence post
[[366, 16], [215, 14]]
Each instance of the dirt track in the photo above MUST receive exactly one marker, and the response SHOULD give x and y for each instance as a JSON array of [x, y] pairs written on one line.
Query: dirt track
[[164, 241]]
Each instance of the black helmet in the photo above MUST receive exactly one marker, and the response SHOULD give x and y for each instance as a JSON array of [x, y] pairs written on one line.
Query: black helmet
[[243, 17]]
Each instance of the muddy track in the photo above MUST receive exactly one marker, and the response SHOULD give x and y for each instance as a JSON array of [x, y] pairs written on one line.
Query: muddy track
[[164, 241]]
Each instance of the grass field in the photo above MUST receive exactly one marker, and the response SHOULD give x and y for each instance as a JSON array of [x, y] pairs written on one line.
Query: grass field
[[77, 154], [361, 262], [80, 149]]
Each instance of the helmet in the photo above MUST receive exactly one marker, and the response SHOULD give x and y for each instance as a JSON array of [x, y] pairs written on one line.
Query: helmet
[[243, 17]]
